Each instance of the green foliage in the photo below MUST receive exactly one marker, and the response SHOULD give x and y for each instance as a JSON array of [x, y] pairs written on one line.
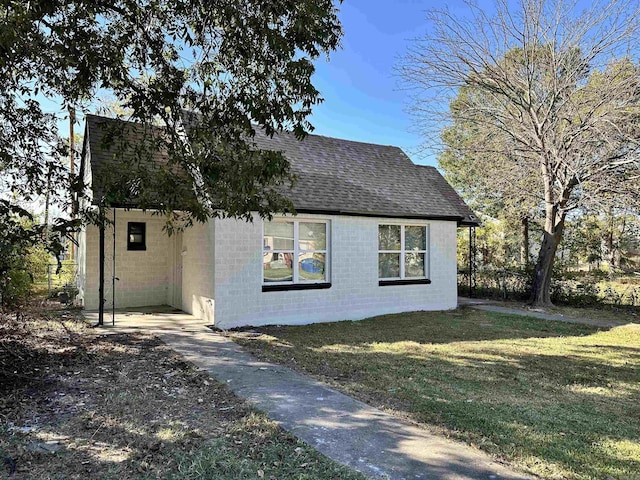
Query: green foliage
[[37, 262], [25, 251], [62, 280], [546, 110], [583, 274], [493, 178], [579, 289], [237, 66], [497, 245], [15, 286]]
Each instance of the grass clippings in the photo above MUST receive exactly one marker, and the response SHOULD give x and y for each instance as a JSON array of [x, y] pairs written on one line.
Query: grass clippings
[[78, 404], [556, 399]]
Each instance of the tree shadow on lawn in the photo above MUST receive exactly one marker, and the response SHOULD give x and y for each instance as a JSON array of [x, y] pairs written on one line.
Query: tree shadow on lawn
[[424, 327], [571, 408], [127, 406], [118, 405], [68, 392], [533, 408], [77, 448], [570, 411]]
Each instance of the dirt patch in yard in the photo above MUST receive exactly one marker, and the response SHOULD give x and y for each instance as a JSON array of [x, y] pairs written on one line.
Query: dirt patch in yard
[[75, 403]]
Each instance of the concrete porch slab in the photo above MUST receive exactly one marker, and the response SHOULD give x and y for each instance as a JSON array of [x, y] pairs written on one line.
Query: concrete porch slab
[[154, 317]]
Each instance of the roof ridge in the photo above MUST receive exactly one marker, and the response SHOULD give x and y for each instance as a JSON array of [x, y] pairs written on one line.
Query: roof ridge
[[95, 115], [286, 132], [309, 134]]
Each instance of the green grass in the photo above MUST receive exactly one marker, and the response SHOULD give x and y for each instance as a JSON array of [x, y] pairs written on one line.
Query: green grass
[[255, 448], [556, 399]]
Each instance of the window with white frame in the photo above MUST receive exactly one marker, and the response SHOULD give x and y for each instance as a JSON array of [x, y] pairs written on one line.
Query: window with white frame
[[402, 252], [295, 251]]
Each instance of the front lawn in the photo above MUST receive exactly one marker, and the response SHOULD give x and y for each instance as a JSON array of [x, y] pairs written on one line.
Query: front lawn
[[76, 404], [556, 399]]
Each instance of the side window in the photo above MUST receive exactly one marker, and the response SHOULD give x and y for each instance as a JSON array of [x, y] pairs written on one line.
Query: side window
[[136, 236], [402, 252]]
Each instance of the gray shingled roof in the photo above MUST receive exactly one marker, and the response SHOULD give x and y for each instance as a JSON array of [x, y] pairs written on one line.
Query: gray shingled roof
[[104, 161], [346, 177]]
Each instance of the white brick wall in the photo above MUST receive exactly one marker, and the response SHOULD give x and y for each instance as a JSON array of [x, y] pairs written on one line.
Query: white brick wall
[[198, 271], [222, 260], [81, 257], [354, 294], [145, 276]]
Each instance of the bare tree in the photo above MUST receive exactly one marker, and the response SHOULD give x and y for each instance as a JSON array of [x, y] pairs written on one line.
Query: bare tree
[[553, 90]]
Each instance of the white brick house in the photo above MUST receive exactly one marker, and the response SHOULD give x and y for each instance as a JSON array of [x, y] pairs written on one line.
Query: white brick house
[[374, 234]]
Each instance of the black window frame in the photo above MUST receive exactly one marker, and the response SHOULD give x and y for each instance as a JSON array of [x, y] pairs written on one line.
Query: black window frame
[[403, 279], [137, 246], [296, 283]]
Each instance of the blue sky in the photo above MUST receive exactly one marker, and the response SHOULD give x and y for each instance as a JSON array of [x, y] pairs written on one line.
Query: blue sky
[[363, 96]]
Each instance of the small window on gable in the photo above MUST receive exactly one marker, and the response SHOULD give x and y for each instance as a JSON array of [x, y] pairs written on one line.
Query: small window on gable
[[136, 236]]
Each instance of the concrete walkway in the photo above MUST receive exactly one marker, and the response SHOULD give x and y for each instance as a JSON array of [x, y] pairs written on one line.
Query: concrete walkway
[[344, 429], [486, 305]]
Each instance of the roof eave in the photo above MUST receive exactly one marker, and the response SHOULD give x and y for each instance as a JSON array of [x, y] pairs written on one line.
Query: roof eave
[[470, 223], [353, 213]]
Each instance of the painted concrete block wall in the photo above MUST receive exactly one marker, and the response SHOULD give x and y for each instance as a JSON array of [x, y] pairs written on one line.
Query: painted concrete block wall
[[354, 294], [80, 260], [81, 250], [144, 275], [90, 296], [174, 274], [198, 271]]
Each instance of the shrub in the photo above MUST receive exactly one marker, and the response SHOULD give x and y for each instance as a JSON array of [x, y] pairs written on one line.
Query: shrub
[[16, 286], [569, 288]]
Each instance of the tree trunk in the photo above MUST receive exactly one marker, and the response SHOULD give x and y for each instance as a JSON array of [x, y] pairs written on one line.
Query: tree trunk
[[555, 214], [541, 294], [524, 241], [609, 240]]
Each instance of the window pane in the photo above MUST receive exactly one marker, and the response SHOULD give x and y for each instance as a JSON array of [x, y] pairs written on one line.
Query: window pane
[[311, 266], [388, 265], [278, 236], [415, 238], [278, 267], [313, 236], [136, 236], [389, 237], [414, 265]]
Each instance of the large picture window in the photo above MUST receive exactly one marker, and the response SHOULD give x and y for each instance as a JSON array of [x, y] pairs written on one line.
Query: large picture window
[[295, 252], [402, 252]]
